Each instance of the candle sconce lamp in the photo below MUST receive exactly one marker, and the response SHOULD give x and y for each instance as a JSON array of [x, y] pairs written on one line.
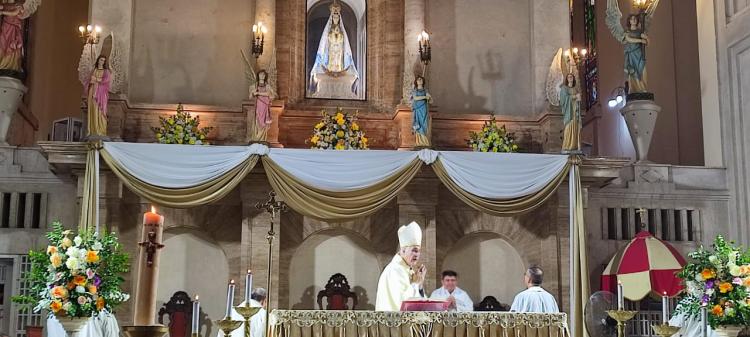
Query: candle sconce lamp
[[259, 36], [425, 50]]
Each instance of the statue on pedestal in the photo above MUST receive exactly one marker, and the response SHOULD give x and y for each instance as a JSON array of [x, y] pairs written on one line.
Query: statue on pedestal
[[334, 74], [634, 37], [420, 107], [261, 92], [570, 104], [97, 96]]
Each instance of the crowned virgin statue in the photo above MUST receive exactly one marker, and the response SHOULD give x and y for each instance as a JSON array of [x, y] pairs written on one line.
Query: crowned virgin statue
[[334, 74]]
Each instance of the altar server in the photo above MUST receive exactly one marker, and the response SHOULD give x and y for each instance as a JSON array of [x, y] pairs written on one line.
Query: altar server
[[534, 298], [459, 299], [258, 321], [403, 278]]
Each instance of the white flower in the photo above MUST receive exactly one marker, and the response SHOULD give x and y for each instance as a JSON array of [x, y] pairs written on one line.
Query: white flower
[[694, 288], [733, 257], [710, 292], [80, 289], [714, 260], [72, 263], [67, 306], [77, 240], [97, 246], [734, 270], [699, 277]]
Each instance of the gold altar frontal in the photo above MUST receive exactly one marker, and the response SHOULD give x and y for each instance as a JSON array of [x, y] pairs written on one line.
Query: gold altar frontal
[[319, 323]]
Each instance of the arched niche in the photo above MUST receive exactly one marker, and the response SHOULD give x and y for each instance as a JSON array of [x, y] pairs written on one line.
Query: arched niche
[[487, 265], [325, 253], [196, 264]]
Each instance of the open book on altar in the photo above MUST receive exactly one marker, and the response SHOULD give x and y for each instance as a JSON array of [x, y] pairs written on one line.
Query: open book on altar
[[424, 304]]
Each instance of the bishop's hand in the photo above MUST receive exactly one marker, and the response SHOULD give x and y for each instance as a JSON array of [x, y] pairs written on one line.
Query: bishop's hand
[[420, 276]]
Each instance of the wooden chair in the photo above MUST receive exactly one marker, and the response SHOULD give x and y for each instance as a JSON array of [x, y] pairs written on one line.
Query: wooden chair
[[180, 312], [490, 303], [337, 292]]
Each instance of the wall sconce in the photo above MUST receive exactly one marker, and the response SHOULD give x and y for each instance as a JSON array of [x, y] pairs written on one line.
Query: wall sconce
[[90, 34], [259, 32], [617, 96], [425, 51], [575, 56]]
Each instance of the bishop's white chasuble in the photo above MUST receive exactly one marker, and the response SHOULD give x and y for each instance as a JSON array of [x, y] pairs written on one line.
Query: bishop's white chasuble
[[395, 286]]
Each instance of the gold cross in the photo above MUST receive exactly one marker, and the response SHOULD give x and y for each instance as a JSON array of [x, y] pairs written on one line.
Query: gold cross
[[642, 211]]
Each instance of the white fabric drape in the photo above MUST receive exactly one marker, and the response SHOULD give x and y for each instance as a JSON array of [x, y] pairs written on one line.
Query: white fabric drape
[[501, 175], [103, 325], [179, 166], [341, 171]]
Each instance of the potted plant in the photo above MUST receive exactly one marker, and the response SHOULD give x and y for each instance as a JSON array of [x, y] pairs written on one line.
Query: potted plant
[[719, 279]]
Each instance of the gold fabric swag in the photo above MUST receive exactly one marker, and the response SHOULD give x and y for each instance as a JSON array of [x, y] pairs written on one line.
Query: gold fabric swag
[[316, 323]]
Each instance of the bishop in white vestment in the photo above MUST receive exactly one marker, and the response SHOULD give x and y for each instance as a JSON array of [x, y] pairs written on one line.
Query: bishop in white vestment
[[460, 300], [399, 280], [534, 298]]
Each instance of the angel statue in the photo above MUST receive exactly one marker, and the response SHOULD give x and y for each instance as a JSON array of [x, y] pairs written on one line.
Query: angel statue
[[420, 107], [261, 91], [634, 37], [98, 76], [570, 104], [12, 15]]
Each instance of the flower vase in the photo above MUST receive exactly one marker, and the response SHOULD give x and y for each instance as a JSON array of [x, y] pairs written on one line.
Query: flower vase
[[73, 325], [728, 331]]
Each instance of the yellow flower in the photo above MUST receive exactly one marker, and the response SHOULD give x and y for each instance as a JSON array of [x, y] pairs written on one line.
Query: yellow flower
[[51, 250], [364, 140], [514, 147], [79, 280], [56, 260], [340, 134], [314, 140], [708, 274], [355, 126], [340, 121], [339, 146], [66, 242], [339, 115], [92, 256], [191, 141], [100, 303], [55, 306], [725, 287], [92, 289], [717, 310], [319, 125]]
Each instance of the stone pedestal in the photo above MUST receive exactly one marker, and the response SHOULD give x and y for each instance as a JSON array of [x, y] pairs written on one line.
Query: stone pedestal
[[11, 95], [640, 116]]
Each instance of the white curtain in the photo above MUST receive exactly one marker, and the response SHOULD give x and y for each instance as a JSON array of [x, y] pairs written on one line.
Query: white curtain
[[501, 175], [179, 166]]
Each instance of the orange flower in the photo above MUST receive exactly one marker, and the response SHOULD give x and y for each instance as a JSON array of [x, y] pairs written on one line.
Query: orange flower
[[56, 260], [71, 286], [51, 250], [92, 289], [725, 287], [744, 270], [717, 310], [79, 280], [708, 274], [59, 292], [55, 306], [92, 256], [746, 282], [100, 303]]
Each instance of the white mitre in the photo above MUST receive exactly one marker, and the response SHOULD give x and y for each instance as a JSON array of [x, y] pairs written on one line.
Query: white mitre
[[410, 235]]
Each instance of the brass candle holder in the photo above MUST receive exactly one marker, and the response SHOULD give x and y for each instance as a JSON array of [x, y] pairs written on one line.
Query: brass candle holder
[[621, 316], [247, 312], [227, 325], [665, 330]]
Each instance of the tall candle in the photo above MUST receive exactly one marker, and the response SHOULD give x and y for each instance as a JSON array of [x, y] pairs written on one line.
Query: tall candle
[[704, 320], [150, 245], [152, 218], [230, 299], [665, 308], [620, 297], [248, 286], [196, 316]]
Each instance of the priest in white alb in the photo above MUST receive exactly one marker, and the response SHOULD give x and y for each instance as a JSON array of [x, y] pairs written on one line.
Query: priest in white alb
[[403, 278], [534, 298]]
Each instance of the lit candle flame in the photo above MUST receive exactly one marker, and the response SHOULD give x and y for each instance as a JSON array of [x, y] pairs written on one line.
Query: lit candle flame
[[249, 271], [575, 50], [231, 281], [196, 297], [584, 52], [97, 29], [153, 209], [81, 29], [89, 28]]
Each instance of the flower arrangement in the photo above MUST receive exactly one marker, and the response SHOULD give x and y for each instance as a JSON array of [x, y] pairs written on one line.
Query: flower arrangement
[[338, 132], [181, 128], [492, 138], [78, 276], [720, 280]]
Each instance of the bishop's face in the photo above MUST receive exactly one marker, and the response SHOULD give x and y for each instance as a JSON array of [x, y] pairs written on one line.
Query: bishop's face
[[411, 255]]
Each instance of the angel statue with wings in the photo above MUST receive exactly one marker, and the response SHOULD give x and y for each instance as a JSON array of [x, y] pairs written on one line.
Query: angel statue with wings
[[634, 37], [98, 76], [563, 90], [12, 15], [261, 91]]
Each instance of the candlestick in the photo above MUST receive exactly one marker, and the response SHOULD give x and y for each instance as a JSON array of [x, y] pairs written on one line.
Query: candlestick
[[620, 296], [665, 308], [230, 299], [704, 320], [196, 316], [248, 285]]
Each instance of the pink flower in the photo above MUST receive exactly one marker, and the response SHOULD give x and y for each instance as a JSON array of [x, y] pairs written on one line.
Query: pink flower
[[81, 300], [90, 274], [737, 281]]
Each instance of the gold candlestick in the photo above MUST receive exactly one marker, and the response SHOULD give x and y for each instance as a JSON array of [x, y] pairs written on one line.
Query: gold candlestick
[[247, 312], [621, 316], [227, 325], [665, 330]]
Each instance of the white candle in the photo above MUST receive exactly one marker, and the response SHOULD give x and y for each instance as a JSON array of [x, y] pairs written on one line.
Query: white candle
[[196, 315], [248, 286], [230, 299], [704, 320], [620, 297], [665, 308]]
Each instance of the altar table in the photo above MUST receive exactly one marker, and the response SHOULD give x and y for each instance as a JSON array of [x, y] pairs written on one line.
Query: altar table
[[321, 323]]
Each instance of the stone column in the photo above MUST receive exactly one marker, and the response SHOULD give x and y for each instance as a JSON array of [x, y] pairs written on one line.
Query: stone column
[[265, 12], [417, 203], [413, 25]]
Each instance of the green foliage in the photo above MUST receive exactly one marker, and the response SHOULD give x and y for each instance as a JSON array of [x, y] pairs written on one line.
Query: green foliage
[[181, 128], [76, 277], [720, 280], [492, 138], [338, 132]]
